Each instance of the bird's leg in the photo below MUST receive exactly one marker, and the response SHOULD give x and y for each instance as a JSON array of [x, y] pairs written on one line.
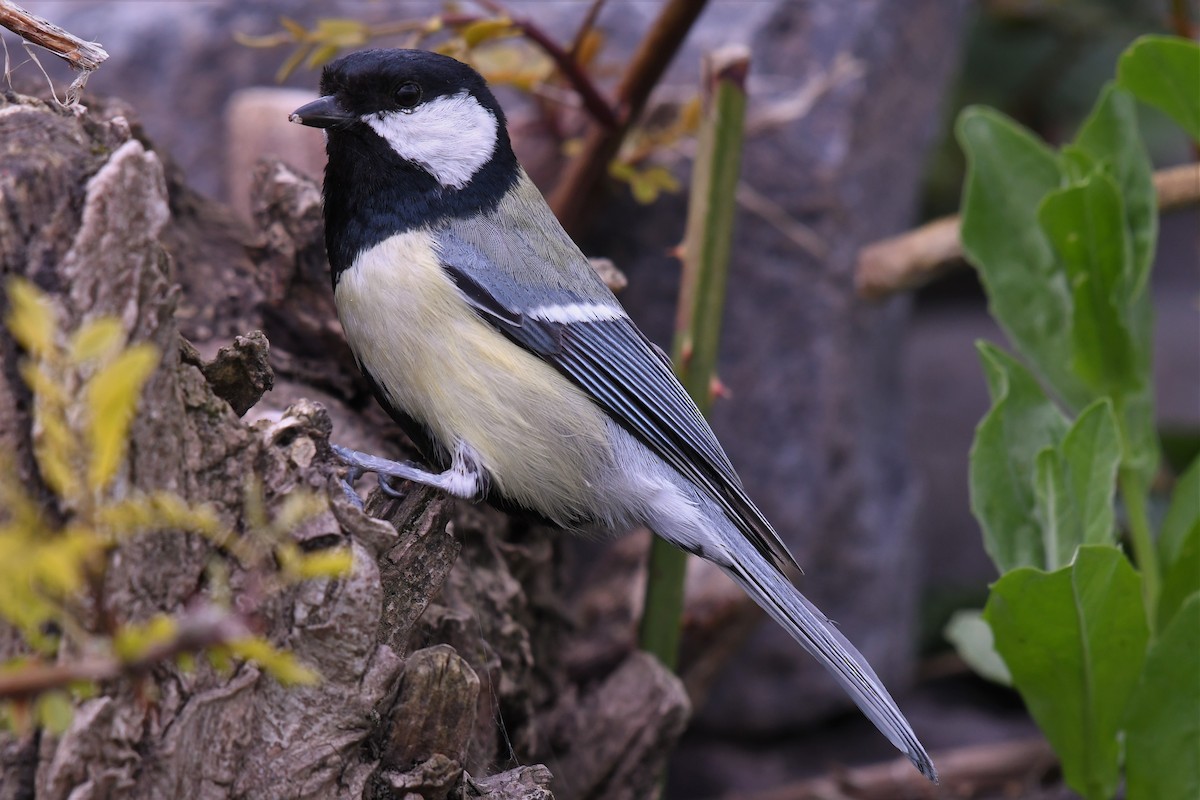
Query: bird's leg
[[463, 479]]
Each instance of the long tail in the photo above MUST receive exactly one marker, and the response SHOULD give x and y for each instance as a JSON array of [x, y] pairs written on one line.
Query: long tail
[[812, 629]]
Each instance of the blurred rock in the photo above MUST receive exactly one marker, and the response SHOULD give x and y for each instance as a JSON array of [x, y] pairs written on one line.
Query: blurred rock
[[257, 127]]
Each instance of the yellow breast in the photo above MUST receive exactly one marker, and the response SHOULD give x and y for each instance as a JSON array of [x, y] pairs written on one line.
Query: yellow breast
[[539, 437]]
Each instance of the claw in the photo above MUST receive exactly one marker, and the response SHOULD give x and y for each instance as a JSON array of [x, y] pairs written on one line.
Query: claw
[[385, 486]]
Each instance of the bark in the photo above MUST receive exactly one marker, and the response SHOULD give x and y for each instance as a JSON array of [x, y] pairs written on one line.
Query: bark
[[440, 652]]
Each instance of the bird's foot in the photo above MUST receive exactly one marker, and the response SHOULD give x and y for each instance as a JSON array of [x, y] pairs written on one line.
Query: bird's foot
[[461, 480]]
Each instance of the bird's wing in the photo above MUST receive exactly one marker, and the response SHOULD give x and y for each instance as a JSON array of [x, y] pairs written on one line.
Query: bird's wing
[[585, 335]]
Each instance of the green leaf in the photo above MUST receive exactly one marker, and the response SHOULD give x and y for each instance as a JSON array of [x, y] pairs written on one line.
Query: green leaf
[[1086, 226], [1182, 515], [1112, 138], [973, 640], [1075, 641], [1075, 484], [1021, 423], [1181, 578], [1009, 173], [1164, 71], [1162, 739]]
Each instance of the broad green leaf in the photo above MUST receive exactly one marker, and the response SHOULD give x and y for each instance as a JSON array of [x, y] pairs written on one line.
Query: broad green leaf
[[1182, 515], [1085, 223], [1179, 546], [1111, 136], [1075, 484], [1162, 729], [1021, 423], [1075, 641], [1181, 577], [1164, 71], [973, 640], [1009, 173]]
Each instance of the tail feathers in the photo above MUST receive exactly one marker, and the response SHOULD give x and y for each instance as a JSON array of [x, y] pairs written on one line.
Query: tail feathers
[[771, 590]]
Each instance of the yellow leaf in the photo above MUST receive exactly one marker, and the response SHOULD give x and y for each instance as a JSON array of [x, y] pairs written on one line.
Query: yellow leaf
[[112, 397], [53, 711], [297, 508], [644, 191], [133, 641], [340, 32], [322, 55], [42, 383], [589, 47], [331, 563], [298, 31], [53, 450], [690, 115], [31, 317], [662, 178], [280, 665], [482, 30], [99, 338], [291, 62], [157, 511]]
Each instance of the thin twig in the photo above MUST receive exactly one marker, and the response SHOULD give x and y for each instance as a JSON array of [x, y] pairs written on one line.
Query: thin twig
[[913, 259], [575, 190], [585, 27], [79, 54], [593, 101], [84, 57], [196, 630], [965, 772]]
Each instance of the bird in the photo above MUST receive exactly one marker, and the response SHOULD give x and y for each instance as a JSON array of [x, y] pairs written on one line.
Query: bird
[[485, 333]]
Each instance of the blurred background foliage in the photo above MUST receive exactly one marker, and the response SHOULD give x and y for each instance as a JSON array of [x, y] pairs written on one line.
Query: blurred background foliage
[[1043, 62]]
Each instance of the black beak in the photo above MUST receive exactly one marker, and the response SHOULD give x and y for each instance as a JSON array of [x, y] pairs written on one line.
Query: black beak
[[324, 112]]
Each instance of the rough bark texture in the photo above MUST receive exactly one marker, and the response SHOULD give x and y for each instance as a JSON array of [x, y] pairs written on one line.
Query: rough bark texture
[[439, 651]]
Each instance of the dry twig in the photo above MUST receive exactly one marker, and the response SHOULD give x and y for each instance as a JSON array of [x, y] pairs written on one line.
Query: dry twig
[[966, 772], [655, 52], [912, 259], [202, 628], [83, 57]]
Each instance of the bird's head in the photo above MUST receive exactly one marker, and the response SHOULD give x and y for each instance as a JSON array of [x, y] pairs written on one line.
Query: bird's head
[[430, 111]]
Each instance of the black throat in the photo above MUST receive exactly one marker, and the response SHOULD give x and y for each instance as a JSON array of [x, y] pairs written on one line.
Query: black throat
[[371, 193]]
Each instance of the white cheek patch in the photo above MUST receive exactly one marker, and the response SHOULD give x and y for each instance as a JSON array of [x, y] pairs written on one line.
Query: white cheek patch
[[451, 137]]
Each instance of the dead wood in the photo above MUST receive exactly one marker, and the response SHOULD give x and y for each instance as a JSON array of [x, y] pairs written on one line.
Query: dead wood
[[441, 651]]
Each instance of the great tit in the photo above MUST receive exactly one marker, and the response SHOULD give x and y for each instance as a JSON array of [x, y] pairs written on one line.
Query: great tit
[[486, 334]]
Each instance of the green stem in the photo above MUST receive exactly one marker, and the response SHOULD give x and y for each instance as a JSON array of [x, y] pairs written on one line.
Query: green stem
[[660, 628], [706, 248], [1133, 495]]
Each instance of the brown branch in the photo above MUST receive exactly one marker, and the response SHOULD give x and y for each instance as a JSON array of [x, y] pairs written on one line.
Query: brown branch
[[573, 193], [965, 772], [913, 259], [81, 55], [580, 81], [196, 630]]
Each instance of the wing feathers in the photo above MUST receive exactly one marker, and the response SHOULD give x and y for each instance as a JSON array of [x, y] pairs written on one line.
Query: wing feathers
[[615, 364]]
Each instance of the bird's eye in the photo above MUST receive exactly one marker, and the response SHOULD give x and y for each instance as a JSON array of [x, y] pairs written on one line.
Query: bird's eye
[[408, 95]]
